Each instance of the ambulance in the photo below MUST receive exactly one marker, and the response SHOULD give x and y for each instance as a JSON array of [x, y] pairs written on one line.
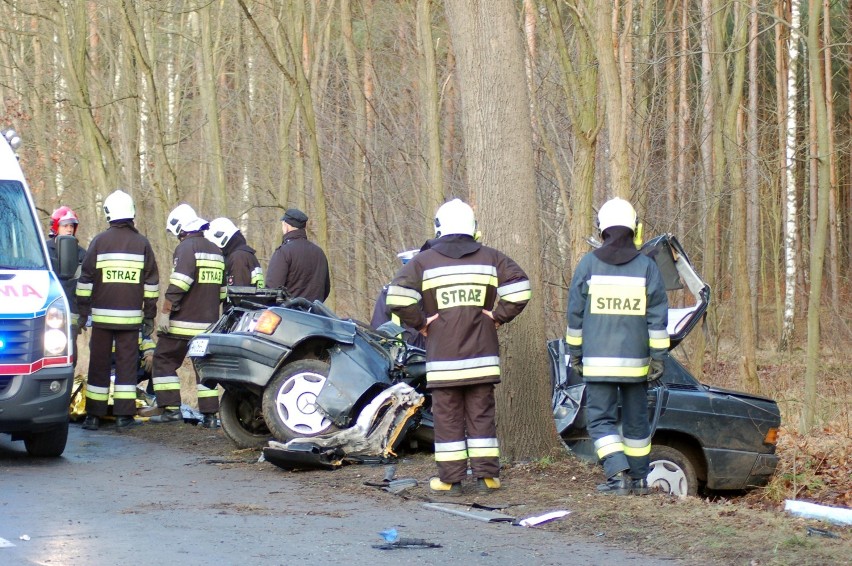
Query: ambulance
[[36, 354]]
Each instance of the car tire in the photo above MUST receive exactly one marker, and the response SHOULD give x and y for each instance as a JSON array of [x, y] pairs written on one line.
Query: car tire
[[48, 443], [242, 419], [289, 401], [671, 471]]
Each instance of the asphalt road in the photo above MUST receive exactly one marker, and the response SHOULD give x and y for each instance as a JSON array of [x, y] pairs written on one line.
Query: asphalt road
[[113, 499]]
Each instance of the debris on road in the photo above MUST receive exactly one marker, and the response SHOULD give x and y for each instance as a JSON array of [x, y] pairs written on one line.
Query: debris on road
[[838, 515], [547, 517], [471, 512]]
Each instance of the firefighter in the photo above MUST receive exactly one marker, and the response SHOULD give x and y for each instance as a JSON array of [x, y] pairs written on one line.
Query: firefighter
[[467, 291], [64, 222], [241, 265], [118, 288], [617, 341], [192, 303], [382, 312], [298, 264]]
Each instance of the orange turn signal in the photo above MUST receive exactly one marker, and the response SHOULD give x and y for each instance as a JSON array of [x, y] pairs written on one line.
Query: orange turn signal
[[771, 436], [267, 323]]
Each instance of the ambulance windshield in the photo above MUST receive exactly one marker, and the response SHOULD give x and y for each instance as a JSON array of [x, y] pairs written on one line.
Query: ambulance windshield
[[20, 243]]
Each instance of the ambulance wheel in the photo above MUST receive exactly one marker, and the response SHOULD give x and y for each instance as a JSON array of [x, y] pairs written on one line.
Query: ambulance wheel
[[672, 472], [289, 401], [48, 443], [242, 419]]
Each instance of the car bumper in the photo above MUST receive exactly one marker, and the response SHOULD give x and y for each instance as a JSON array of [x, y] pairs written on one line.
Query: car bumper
[[733, 469], [35, 402], [235, 358]]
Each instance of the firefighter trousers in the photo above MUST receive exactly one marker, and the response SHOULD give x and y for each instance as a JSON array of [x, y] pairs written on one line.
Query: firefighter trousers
[[465, 429], [100, 364], [168, 357], [626, 449]]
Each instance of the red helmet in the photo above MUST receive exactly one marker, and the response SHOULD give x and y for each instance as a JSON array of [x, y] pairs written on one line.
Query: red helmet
[[62, 216]]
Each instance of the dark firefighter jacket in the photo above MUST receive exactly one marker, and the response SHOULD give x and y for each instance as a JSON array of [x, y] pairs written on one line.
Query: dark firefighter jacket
[[195, 286], [457, 279], [617, 317], [68, 285], [119, 281], [241, 265], [300, 266], [382, 314]]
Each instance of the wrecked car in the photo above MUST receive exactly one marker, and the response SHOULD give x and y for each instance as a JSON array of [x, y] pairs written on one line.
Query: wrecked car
[[703, 437], [322, 387]]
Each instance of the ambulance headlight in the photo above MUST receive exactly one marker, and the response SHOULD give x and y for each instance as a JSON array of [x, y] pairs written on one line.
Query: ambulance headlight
[[56, 328]]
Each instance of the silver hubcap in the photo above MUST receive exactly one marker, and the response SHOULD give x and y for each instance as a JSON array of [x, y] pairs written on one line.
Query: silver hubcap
[[296, 404], [668, 477]]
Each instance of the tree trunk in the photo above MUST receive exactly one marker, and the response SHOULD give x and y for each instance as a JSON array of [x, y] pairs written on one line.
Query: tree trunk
[[432, 118], [358, 134], [818, 238], [790, 209], [752, 167], [497, 133], [742, 291]]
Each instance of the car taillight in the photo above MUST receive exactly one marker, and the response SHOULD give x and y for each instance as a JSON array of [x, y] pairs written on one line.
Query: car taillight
[[771, 437], [267, 323]]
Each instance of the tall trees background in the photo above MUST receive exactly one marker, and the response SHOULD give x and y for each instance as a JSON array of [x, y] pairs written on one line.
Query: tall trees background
[[726, 122]]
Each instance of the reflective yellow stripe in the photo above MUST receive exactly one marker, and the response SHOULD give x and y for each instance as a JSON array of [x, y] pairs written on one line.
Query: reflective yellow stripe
[[472, 373], [659, 343], [124, 395], [180, 284], [166, 386], [117, 319], [94, 396], [630, 451], [484, 452], [398, 301], [614, 371], [604, 451], [518, 297], [207, 392], [451, 456], [574, 340]]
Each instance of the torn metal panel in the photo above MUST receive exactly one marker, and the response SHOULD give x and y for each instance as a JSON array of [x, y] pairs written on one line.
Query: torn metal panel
[[484, 515], [378, 429]]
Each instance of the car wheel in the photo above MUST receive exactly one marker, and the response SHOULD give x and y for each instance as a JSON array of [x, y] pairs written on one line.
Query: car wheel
[[289, 401], [242, 419], [672, 472], [47, 443]]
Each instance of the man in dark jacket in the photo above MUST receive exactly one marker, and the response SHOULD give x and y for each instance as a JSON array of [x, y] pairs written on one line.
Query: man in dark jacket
[[241, 266], [192, 304], [617, 340], [299, 265], [118, 287], [457, 293]]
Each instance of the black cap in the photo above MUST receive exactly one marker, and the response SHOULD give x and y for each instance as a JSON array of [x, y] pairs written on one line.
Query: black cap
[[295, 218]]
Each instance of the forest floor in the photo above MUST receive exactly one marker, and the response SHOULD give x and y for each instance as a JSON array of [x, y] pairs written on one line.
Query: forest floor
[[749, 528]]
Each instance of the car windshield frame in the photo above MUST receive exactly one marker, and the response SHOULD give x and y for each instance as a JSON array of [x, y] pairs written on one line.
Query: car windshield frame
[[21, 244]]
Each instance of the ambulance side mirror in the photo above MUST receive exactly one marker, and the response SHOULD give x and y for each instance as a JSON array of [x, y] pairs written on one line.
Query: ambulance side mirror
[[66, 252]]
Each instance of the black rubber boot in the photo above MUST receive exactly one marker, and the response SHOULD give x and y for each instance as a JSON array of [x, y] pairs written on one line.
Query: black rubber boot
[[618, 484], [168, 416], [126, 421], [92, 422]]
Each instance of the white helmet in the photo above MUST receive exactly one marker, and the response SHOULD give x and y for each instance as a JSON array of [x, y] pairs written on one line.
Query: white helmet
[[184, 219], [454, 217], [220, 231], [617, 212], [119, 206]]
